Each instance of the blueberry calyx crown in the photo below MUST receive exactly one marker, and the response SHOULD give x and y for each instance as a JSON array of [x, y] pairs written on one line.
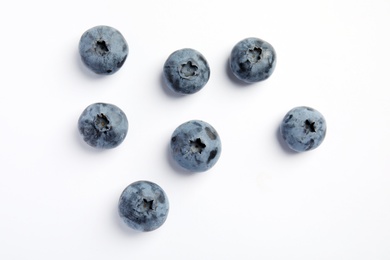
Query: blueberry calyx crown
[[101, 48], [188, 70], [254, 55], [102, 123], [197, 145], [148, 205], [310, 126]]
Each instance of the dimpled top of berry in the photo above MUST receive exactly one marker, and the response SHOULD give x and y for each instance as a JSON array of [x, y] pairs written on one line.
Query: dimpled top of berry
[[143, 206], [186, 71], [303, 128], [103, 125], [196, 146], [103, 49], [252, 60]]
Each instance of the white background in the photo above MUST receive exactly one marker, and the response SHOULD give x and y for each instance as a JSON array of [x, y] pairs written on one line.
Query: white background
[[58, 197]]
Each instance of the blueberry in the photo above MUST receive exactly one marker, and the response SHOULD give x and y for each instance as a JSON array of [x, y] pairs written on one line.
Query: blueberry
[[195, 146], [186, 71], [103, 125], [103, 49], [303, 128], [252, 60], [143, 206]]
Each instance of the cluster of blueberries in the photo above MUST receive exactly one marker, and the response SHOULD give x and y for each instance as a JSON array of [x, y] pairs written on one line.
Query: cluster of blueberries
[[195, 144]]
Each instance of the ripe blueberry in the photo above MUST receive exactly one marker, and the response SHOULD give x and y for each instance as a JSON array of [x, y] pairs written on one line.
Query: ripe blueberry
[[195, 146], [252, 60], [143, 206], [103, 49], [186, 71], [303, 128], [103, 125]]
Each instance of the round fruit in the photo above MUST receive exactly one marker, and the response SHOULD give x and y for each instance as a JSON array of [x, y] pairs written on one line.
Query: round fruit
[[252, 60], [143, 206], [103, 49], [186, 71], [195, 146], [303, 128], [103, 125]]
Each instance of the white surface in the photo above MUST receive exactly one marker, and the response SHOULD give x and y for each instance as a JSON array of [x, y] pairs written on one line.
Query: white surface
[[58, 197]]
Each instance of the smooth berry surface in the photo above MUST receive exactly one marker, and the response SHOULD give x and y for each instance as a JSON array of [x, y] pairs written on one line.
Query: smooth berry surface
[[303, 128], [143, 206], [196, 146], [103, 49], [252, 60], [186, 71], [103, 125]]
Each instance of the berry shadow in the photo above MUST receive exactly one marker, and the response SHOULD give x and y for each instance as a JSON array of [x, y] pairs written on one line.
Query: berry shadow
[[166, 90], [84, 145], [121, 225], [84, 70], [174, 165], [233, 78], [283, 144]]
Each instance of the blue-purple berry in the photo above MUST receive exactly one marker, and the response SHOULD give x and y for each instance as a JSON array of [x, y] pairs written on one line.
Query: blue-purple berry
[[252, 60], [103, 49], [186, 71], [195, 146], [303, 128], [143, 206], [103, 125]]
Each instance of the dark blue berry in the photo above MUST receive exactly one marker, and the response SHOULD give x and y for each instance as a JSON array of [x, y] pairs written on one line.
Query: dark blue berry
[[186, 71], [143, 206], [252, 60], [103, 125], [303, 128], [195, 146], [103, 49]]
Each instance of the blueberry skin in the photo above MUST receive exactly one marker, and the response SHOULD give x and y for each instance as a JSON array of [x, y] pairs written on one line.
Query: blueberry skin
[[103, 125], [195, 146], [186, 71], [143, 206], [303, 128], [252, 60], [103, 49]]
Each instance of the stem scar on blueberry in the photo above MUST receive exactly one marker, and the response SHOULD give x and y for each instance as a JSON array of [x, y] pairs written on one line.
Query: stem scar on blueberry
[[101, 47], [188, 69], [197, 146], [102, 123], [310, 126], [148, 204], [254, 55]]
